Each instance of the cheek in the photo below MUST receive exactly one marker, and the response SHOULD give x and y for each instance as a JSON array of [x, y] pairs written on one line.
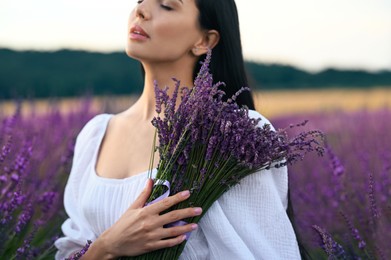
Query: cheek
[[183, 32], [132, 15]]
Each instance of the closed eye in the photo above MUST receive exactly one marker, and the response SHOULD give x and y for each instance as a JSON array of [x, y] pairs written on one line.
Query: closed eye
[[166, 7]]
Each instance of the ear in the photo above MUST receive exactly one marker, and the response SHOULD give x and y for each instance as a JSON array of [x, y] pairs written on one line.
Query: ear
[[209, 40]]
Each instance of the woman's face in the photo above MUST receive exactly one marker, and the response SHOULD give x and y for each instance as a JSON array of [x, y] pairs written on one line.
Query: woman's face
[[163, 30]]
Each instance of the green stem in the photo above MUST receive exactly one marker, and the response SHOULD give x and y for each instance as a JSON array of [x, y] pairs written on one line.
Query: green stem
[[152, 159]]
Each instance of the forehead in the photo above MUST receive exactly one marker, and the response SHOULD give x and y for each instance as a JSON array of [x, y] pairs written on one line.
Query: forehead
[[189, 5], [187, 2]]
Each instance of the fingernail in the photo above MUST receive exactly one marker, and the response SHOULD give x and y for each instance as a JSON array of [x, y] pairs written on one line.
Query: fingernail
[[183, 238], [198, 211], [185, 193], [194, 226]]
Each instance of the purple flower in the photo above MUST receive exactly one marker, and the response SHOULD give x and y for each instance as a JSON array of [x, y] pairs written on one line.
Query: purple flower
[[354, 232], [336, 164], [331, 247], [5, 150], [161, 97], [8, 207], [372, 199], [47, 200], [24, 218]]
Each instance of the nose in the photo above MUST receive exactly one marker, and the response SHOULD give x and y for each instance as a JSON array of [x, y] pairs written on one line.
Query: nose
[[142, 10]]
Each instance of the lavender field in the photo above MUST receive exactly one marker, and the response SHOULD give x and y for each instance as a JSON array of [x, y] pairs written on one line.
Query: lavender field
[[341, 201], [35, 158]]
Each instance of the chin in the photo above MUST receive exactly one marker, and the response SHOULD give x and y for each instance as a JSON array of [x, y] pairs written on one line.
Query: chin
[[131, 53], [128, 53]]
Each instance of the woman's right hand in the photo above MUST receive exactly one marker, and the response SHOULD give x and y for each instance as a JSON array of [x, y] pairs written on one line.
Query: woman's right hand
[[140, 229]]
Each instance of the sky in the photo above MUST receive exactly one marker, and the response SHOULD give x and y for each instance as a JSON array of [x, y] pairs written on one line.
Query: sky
[[310, 34]]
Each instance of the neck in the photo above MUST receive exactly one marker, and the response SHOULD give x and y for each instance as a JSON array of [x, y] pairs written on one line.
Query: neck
[[163, 74]]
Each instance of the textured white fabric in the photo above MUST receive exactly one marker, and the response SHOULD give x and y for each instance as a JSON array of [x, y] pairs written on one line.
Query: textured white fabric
[[247, 222]]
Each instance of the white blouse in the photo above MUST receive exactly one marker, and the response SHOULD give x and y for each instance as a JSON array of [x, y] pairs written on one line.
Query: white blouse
[[247, 222]]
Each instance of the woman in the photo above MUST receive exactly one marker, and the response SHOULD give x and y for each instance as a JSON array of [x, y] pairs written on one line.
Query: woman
[[102, 196]]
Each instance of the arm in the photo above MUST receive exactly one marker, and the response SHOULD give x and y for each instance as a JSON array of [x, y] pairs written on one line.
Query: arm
[[247, 222], [257, 210]]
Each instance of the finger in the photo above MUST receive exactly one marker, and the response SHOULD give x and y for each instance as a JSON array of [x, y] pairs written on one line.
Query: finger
[[179, 214], [144, 195], [167, 243], [171, 232], [168, 202]]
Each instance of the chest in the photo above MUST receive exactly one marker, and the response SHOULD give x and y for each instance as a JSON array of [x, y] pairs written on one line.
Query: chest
[[103, 201], [125, 151]]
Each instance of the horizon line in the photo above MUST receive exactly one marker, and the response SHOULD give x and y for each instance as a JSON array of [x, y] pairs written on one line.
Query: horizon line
[[253, 60]]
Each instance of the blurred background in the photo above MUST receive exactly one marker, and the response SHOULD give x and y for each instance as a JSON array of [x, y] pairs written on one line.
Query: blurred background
[[325, 61], [301, 55]]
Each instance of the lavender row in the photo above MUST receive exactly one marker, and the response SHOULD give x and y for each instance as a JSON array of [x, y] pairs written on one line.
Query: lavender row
[[342, 201], [35, 159]]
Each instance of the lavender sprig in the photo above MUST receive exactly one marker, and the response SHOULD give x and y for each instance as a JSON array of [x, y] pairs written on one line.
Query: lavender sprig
[[333, 249]]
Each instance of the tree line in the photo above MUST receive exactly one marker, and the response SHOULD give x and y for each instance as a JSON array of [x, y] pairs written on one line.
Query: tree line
[[67, 73]]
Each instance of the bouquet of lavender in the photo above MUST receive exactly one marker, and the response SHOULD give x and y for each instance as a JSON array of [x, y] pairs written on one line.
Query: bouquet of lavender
[[207, 145]]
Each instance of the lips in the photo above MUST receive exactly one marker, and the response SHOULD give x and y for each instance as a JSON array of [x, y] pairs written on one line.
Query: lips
[[138, 31]]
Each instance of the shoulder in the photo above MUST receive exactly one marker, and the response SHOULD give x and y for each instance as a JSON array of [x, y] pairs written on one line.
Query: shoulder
[[85, 145], [263, 120], [93, 127], [89, 135]]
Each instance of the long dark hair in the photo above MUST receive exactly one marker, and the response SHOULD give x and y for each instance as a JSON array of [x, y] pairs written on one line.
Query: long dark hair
[[227, 64]]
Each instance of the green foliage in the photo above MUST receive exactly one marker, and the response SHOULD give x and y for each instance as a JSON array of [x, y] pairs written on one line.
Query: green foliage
[[274, 76], [67, 73]]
